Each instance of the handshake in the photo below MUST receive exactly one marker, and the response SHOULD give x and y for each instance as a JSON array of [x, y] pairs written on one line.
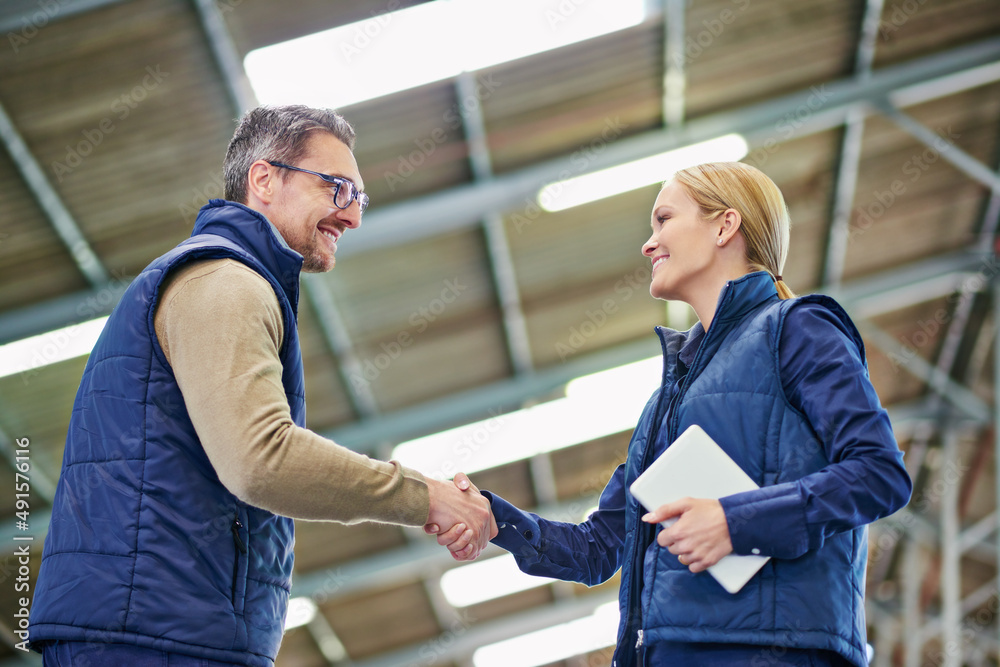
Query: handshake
[[460, 516]]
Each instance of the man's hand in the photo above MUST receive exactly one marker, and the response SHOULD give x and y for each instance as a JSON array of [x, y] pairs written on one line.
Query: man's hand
[[700, 536], [461, 517]]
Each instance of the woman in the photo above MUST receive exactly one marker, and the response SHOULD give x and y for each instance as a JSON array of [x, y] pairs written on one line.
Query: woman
[[781, 384]]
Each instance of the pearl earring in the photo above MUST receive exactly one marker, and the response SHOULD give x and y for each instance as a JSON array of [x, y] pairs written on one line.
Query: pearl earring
[[720, 241]]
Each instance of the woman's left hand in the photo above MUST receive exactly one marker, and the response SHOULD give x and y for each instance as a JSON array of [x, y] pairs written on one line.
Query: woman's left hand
[[700, 536]]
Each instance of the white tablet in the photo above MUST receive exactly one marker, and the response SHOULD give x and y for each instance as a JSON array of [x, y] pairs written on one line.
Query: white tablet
[[695, 466]]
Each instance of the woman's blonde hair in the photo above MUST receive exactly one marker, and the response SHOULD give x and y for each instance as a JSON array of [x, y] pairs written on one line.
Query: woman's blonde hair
[[718, 186]]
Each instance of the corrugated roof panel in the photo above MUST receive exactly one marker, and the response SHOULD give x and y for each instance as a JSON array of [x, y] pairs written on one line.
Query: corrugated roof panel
[[921, 27]]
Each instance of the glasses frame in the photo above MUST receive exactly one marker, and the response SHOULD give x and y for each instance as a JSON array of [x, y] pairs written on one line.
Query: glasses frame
[[336, 181]]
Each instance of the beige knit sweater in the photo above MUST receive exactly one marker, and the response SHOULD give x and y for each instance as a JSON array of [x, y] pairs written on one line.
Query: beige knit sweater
[[219, 324]]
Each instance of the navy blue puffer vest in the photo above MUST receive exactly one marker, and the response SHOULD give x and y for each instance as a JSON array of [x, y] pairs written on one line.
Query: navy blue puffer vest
[[734, 391], [146, 546]]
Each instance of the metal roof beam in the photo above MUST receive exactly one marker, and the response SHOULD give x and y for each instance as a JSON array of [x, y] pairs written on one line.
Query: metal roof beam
[[51, 203], [943, 147], [957, 394], [936, 277], [458, 643], [497, 244], [850, 153], [674, 61], [996, 405], [765, 125], [227, 57], [61, 311], [24, 18], [916, 283], [338, 340]]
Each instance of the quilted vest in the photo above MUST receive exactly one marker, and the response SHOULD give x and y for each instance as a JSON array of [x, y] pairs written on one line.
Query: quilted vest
[[734, 391], [146, 546]]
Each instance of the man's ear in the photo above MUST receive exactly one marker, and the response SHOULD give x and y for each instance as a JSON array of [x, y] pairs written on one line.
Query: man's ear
[[261, 181]]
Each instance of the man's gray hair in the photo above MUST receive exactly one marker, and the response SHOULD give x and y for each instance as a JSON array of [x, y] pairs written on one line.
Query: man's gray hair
[[279, 134]]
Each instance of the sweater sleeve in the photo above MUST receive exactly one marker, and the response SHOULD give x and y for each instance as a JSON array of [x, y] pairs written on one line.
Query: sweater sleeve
[[220, 326], [824, 376]]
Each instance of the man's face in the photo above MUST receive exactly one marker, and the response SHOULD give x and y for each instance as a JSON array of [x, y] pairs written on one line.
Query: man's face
[[302, 208]]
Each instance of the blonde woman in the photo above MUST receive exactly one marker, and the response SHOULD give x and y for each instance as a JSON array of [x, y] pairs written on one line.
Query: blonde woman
[[781, 384]]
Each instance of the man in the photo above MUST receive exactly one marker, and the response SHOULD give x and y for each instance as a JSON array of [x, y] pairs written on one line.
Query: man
[[170, 541]]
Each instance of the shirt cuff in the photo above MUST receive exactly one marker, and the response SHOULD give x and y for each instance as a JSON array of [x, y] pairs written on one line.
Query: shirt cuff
[[518, 531], [767, 522]]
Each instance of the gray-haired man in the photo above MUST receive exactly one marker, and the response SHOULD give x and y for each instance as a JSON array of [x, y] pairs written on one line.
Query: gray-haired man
[[187, 450]]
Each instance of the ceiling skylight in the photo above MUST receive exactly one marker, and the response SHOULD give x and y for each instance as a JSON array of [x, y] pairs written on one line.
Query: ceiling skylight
[[640, 173], [595, 406], [487, 579], [411, 47], [29, 354], [590, 633]]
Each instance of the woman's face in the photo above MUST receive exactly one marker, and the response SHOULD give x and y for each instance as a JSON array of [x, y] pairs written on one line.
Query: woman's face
[[683, 246]]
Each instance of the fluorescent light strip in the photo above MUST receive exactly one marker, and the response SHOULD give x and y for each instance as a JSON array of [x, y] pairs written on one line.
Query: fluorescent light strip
[[591, 633], [595, 406], [301, 611], [486, 580], [30, 354], [429, 42], [640, 173]]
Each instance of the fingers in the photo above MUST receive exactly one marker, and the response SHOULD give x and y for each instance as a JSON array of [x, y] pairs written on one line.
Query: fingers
[[696, 563], [459, 544], [432, 529], [462, 481], [468, 553], [453, 535], [668, 511]]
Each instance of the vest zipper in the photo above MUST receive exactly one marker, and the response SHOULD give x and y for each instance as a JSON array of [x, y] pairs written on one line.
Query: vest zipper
[[242, 549], [236, 535], [643, 531], [638, 642]]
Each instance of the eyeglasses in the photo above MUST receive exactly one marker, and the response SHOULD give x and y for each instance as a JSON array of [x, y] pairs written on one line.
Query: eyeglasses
[[344, 190]]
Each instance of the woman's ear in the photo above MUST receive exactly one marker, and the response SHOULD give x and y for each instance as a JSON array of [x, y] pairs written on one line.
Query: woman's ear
[[729, 224]]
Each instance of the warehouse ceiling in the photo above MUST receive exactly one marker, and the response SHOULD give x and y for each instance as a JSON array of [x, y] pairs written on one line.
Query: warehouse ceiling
[[878, 120]]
